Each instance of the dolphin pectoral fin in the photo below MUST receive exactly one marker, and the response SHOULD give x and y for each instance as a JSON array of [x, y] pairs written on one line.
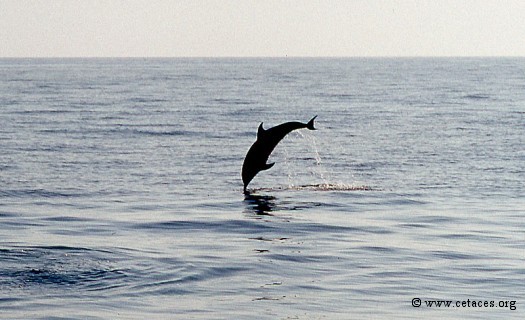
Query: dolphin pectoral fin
[[310, 124], [268, 166]]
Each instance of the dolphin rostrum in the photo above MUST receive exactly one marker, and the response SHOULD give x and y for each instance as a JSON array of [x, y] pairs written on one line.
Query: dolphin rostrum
[[261, 149]]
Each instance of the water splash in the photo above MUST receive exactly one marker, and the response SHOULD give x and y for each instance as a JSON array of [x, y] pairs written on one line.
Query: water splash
[[319, 169], [291, 173], [333, 187], [318, 187]]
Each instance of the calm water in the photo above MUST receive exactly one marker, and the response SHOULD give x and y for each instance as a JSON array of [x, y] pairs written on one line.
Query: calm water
[[121, 197]]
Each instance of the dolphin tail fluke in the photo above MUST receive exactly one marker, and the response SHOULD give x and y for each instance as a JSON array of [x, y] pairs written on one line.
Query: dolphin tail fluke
[[310, 124], [268, 166]]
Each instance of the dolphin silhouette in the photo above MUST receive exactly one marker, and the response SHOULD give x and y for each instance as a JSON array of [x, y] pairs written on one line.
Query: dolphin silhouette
[[261, 149]]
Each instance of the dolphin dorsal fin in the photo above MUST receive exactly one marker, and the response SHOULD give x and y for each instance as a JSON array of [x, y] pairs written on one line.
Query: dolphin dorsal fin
[[260, 131]]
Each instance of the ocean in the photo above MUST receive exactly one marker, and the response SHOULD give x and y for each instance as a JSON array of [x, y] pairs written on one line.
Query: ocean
[[121, 195]]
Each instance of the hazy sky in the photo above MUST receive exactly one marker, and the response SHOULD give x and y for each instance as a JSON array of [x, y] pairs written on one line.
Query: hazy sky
[[111, 28]]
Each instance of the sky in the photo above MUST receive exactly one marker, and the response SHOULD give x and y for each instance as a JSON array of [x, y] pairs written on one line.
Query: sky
[[260, 28]]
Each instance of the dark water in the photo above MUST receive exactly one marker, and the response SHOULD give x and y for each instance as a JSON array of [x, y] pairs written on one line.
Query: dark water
[[120, 190]]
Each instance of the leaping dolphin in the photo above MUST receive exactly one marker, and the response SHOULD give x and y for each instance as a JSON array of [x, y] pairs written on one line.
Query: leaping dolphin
[[261, 149]]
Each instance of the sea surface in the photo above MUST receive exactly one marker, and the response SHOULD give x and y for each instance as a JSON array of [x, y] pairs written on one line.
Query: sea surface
[[121, 196]]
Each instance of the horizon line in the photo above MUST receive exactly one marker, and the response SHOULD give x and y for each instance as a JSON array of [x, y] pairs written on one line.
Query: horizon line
[[269, 57]]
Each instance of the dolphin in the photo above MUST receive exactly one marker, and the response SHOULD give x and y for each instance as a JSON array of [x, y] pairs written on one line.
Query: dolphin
[[261, 149]]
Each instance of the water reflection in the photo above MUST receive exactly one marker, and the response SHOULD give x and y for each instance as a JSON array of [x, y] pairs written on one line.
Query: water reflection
[[260, 204]]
